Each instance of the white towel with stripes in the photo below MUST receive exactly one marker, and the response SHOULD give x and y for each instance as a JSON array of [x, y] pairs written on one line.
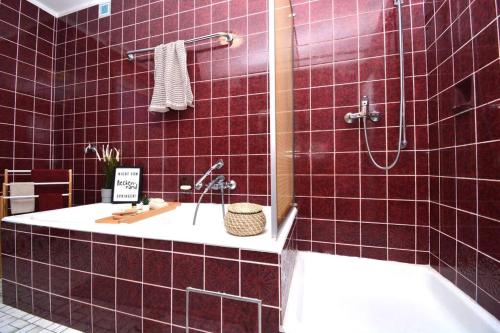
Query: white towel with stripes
[[22, 205], [172, 89]]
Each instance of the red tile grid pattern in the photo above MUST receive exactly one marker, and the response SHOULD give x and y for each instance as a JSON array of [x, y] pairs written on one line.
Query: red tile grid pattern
[[66, 82], [102, 97], [464, 140], [27, 36], [347, 49], [78, 279]]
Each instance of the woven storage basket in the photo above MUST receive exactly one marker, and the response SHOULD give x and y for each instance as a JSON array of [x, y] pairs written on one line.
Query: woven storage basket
[[245, 219]]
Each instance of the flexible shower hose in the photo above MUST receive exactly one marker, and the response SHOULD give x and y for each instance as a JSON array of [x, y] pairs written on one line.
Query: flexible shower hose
[[402, 133]]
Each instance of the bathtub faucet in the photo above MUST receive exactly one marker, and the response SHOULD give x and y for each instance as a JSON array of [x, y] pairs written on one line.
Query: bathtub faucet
[[217, 184]]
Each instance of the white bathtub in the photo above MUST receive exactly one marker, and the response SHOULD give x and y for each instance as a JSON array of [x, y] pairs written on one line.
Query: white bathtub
[[175, 225], [345, 294]]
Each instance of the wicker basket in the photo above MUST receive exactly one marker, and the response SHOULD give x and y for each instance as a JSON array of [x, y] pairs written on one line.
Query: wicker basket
[[245, 219]]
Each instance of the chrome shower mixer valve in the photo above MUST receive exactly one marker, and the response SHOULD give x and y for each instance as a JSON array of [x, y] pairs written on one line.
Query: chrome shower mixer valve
[[364, 112]]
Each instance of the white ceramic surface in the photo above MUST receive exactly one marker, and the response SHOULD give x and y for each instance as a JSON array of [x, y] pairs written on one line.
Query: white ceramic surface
[[350, 295], [174, 225]]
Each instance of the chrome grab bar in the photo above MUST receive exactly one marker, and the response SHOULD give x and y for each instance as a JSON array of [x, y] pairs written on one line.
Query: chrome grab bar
[[228, 36]]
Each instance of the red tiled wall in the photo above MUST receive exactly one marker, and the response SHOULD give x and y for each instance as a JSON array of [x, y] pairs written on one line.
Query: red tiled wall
[[102, 97], [105, 283], [347, 49], [26, 67], [464, 131]]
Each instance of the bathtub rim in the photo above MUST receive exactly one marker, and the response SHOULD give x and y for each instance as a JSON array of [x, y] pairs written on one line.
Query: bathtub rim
[[262, 244]]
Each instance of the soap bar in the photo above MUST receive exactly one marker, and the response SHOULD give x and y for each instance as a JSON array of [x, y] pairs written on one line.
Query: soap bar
[[156, 203]]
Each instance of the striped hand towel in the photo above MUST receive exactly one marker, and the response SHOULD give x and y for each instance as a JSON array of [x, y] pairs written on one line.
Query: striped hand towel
[[172, 89], [26, 205]]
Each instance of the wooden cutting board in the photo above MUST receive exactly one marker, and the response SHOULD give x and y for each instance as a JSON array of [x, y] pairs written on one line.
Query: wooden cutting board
[[139, 216]]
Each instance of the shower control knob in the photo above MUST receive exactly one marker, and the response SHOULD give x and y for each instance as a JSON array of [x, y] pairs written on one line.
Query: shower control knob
[[374, 116], [348, 118], [231, 185]]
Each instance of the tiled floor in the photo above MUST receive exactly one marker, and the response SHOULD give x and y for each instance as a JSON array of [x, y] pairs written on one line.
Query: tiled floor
[[14, 320]]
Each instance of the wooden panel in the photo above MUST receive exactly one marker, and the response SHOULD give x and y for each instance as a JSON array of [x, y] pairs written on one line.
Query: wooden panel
[[139, 216], [284, 107]]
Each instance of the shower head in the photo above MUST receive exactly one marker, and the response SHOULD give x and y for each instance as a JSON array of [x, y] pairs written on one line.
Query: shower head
[[219, 164], [199, 184]]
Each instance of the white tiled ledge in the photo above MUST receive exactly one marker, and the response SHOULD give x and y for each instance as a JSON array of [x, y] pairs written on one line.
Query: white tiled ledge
[[175, 225]]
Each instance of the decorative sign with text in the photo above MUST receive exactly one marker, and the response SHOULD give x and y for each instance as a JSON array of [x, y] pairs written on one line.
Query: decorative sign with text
[[127, 185]]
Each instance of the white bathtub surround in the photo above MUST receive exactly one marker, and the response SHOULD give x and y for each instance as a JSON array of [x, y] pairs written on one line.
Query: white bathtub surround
[[350, 295], [174, 225]]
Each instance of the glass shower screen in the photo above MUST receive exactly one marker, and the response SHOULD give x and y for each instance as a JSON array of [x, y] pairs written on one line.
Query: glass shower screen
[[281, 110]]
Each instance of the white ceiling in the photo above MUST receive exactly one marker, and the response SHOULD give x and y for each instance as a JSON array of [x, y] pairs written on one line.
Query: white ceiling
[[59, 8]]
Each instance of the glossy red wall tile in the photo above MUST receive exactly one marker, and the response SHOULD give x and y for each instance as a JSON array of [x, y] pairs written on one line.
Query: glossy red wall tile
[[463, 68], [102, 97], [26, 79], [347, 49], [66, 82]]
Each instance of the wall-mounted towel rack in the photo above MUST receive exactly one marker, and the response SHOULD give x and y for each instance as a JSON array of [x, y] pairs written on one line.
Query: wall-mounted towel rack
[[228, 36]]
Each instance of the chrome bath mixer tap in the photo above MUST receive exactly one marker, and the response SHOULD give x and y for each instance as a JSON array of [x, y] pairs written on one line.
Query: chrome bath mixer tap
[[217, 184]]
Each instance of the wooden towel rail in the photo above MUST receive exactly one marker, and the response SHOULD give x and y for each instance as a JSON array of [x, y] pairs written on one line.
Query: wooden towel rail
[[4, 199]]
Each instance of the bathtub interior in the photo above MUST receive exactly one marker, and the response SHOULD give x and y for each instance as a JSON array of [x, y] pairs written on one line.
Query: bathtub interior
[[347, 294]]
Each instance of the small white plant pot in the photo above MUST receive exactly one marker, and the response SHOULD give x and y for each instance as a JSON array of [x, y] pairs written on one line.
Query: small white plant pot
[[106, 194]]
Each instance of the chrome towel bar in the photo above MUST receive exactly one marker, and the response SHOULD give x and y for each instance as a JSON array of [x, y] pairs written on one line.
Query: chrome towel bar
[[228, 36]]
